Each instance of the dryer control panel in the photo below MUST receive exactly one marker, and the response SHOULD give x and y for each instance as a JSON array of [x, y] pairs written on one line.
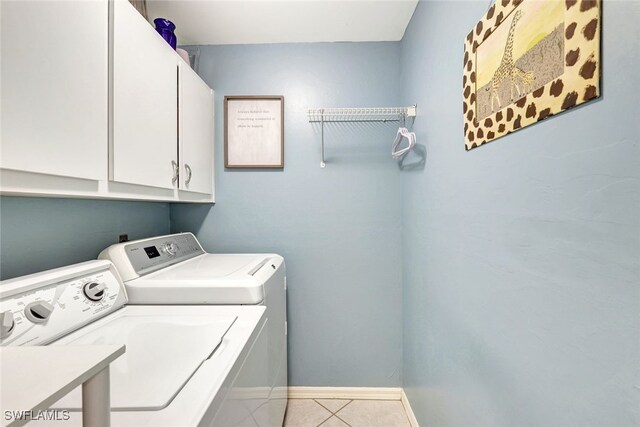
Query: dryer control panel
[[140, 257], [42, 307]]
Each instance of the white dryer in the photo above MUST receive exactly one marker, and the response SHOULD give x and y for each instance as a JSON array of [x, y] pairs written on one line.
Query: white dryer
[[179, 361], [176, 270]]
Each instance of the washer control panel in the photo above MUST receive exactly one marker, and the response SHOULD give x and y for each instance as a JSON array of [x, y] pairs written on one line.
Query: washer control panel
[[150, 255], [40, 308]]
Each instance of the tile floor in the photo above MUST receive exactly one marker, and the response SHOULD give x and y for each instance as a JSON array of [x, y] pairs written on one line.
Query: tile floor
[[345, 413]]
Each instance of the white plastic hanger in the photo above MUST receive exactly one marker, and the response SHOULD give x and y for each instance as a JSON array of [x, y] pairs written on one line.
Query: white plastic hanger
[[403, 133]]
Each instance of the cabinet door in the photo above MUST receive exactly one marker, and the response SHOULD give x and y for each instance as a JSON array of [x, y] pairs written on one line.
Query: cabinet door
[[196, 133], [144, 140], [54, 78]]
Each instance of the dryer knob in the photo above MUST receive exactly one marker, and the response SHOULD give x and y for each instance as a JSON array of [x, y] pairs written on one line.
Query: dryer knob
[[94, 291], [6, 323], [170, 249], [38, 311]]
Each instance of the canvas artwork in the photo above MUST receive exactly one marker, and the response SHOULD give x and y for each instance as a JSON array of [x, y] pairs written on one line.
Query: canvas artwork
[[527, 60]]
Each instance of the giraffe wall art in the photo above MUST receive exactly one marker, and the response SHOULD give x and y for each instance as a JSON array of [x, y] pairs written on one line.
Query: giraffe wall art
[[527, 60]]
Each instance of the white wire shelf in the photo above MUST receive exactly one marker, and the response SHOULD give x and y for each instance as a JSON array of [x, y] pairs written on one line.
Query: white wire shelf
[[331, 115], [386, 114]]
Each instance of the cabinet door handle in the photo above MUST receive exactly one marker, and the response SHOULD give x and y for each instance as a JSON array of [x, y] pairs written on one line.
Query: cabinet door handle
[[187, 169], [176, 171]]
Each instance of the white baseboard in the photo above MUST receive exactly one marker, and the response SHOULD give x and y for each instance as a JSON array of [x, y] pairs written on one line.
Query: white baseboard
[[366, 393], [369, 393], [407, 408]]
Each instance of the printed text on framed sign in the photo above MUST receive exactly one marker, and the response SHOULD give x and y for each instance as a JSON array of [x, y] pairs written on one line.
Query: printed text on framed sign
[[254, 131]]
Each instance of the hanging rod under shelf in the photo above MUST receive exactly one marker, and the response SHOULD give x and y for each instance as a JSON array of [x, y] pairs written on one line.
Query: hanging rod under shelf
[[330, 115], [386, 114]]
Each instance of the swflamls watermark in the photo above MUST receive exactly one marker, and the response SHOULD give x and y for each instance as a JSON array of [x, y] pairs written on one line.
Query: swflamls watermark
[[43, 415]]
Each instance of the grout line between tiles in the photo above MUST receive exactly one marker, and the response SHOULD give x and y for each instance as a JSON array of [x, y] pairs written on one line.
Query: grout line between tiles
[[342, 419], [326, 419], [316, 400], [336, 414], [350, 402], [340, 409]]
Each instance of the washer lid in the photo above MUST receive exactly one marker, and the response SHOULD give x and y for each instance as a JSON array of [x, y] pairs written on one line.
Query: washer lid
[[163, 352]]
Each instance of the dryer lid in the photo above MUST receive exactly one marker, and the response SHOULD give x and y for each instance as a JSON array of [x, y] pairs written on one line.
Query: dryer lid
[[208, 279], [162, 353], [210, 267]]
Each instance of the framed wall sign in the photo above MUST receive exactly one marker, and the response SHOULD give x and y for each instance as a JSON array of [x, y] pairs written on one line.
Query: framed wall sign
[[254, 131], [527, 60]]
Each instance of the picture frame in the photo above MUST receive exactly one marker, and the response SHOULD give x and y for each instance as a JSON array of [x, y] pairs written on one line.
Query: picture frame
[[527, 60], [254, 131]]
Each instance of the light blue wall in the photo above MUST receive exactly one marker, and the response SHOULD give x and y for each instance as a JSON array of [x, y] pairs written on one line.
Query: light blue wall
[[338, 228], [521, 258], [37, 234]]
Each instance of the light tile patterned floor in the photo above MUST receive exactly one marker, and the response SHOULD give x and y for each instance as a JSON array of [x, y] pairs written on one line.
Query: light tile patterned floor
[[345, 413]]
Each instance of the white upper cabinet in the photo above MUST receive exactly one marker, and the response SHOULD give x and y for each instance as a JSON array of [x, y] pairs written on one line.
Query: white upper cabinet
[[196, 132], [54, 80], [144, 139], [93, 105]]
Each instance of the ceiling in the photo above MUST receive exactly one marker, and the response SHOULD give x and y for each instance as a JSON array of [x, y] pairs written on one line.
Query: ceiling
[[204, 22]]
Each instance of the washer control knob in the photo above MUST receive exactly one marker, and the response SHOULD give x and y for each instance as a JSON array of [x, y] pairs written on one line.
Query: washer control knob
[[170, 249], [94, 291], [38, 311], [6, 323]]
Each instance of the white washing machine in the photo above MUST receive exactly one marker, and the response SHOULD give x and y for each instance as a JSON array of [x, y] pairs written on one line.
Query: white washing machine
[[175, 269], [179, 363]]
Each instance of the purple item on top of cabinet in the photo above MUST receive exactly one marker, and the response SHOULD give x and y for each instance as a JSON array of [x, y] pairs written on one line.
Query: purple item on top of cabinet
[[165, 28]]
